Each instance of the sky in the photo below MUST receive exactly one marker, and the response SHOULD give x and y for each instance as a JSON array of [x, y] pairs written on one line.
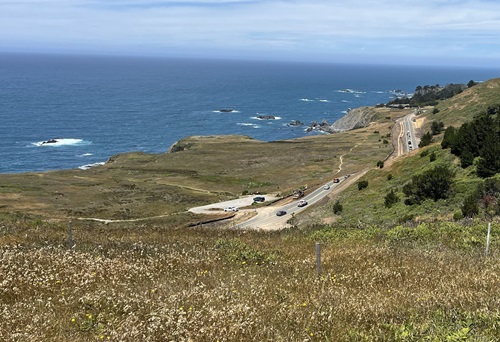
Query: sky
[[423, 32]]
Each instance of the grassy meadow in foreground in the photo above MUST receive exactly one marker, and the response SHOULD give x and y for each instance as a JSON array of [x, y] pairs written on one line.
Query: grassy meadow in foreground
[[150, 283]]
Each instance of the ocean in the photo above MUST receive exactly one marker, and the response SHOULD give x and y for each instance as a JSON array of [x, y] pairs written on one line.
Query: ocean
[[89, 108]]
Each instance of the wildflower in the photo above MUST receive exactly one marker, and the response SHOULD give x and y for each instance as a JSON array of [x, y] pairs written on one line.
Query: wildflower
[[304, 304], [101, 337], [243, 262], [73, 320], [388, 291]]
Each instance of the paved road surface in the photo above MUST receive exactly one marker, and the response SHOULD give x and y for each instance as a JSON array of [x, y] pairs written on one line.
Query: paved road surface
[[266, 218]]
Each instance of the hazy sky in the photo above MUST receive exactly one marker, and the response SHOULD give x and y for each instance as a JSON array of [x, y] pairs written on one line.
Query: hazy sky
[[382, 31]]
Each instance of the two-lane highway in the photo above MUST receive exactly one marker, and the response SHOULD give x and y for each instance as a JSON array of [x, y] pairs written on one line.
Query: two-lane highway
[[409, 133], [266, 217]]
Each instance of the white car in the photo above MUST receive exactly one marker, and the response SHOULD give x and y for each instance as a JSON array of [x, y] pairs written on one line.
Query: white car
[[231, 209], [326, 187]]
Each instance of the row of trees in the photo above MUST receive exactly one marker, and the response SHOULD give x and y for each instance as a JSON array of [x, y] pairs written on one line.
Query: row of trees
[[477, 142], [429, 95]]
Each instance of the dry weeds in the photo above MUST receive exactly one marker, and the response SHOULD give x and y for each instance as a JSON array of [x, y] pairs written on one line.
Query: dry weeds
[[146, 283]]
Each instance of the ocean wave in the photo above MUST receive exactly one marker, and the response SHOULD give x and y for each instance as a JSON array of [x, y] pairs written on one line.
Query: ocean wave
[[324, 100], [88, 166], [248, 124], [59, 142], [350, 91], [85, 155], [306, 100]]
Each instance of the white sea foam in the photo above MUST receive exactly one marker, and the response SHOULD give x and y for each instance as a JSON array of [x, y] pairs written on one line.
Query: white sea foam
[[85, 155], [324, 100], [59, 142], [307, 100], [247, 124], [350, 91], [88, 166]]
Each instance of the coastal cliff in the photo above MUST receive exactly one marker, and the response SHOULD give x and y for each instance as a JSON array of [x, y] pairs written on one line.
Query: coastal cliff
[[355, 118]]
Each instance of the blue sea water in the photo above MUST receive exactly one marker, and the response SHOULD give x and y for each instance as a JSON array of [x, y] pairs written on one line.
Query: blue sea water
[[102, 106]]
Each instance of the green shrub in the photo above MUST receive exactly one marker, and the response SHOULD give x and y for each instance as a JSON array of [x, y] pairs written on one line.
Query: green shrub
[[362, 184], [337, 207], [390, 199], [433, 184]]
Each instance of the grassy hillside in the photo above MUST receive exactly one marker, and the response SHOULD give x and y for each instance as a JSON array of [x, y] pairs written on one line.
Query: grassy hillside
[[203, 170], [463, 107], [145, 282]]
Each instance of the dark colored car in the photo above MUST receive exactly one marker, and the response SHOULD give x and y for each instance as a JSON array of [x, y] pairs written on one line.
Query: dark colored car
[[259, 199], [281, 213]]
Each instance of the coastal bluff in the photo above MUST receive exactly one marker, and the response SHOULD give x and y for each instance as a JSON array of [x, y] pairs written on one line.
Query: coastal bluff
[[355, 118]]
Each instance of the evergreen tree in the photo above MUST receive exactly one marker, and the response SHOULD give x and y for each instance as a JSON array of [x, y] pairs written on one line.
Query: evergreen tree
[[449, 137], [337, 207], [470, 208], [489, 163], [390, 199], [434, 184], [426, 140]]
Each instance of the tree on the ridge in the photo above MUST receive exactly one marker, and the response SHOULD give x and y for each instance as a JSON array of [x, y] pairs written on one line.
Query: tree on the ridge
[[471, 84]]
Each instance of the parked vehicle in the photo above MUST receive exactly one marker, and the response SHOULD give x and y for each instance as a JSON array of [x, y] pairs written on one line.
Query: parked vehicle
[[281, 213], [302, 203], [231, 209], [259, 199]]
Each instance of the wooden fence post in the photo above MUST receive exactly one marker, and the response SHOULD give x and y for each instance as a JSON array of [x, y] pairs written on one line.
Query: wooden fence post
[[70, 233], [318, 258], [488, 238]]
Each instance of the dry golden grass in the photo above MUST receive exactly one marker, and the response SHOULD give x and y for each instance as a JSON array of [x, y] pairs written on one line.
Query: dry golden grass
[[149, 283], [211, 169]]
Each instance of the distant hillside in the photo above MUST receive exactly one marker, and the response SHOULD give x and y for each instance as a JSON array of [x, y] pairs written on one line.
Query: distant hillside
[[466, 105]]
